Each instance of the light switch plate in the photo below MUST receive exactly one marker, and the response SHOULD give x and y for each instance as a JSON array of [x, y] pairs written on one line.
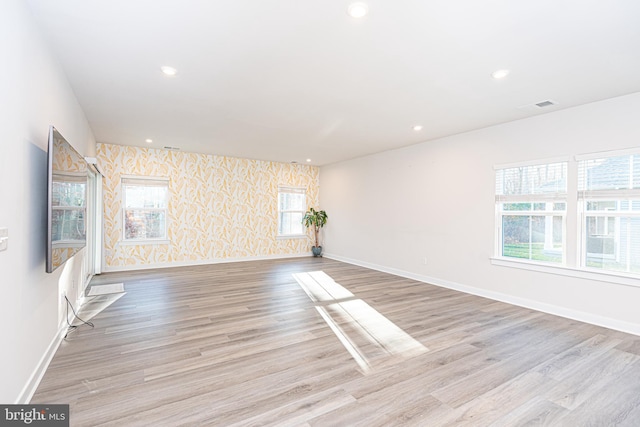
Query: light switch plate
[[4, 238]]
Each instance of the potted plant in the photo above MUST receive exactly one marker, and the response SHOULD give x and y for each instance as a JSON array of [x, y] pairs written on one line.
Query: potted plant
[[317, 220]]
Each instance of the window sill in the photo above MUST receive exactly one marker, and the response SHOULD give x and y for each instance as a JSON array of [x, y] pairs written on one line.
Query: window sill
[[68, 244], [291, 236], [144, 242], [561, 270]]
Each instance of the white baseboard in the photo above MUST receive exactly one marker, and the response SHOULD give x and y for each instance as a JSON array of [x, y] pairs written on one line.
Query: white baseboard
[[36, 376], [582, 316], [201, 262]]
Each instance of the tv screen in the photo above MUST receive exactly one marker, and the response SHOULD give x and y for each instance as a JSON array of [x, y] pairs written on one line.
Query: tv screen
[[67, 189]]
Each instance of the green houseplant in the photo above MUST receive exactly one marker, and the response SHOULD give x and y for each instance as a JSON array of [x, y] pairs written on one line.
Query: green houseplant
[[317, 220]]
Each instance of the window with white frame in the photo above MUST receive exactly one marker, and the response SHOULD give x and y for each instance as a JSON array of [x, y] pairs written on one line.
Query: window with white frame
[[609, 208], [531, 206], [144, 202], [68, 208], [292, 203]]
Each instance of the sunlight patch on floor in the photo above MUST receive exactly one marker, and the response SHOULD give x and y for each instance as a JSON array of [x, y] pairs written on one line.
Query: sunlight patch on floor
[[370, 338], [321, 287], [98, 304]]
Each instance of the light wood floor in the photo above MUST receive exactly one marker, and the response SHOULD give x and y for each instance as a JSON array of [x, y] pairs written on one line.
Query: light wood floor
[[244, 344]]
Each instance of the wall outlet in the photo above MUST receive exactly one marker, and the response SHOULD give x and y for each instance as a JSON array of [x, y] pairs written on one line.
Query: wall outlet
[[424, 260]]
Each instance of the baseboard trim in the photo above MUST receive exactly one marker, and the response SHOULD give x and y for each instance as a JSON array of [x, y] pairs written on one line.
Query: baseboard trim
[[594, 319], [36, 376], [201, 262]]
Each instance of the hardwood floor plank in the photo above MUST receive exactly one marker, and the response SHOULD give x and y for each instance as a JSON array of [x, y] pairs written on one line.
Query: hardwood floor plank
[[381, 409], [298, 411], [537, 412], [572, 360], [615, 404], [591, 377], [490, 406]]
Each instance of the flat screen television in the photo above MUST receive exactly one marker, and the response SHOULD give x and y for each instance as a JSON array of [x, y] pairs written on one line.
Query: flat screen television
[[66, 201]]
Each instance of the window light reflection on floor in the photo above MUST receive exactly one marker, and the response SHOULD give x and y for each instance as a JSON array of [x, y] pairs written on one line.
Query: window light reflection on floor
[[321, 287], [370, 338]]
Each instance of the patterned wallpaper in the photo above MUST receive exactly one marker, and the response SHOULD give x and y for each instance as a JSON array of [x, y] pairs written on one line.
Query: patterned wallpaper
[[219, 207]]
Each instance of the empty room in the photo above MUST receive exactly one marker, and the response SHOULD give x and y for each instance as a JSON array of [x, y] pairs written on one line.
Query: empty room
[[345, 213]]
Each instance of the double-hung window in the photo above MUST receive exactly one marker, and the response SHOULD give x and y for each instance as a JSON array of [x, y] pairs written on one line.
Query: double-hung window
[[531, 206], [292, 203], [609, 207], [145, 202], [68, 210]]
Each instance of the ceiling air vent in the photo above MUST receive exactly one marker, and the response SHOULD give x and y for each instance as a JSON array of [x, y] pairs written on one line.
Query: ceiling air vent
[[166, 147], [535, 107], [546, 103]]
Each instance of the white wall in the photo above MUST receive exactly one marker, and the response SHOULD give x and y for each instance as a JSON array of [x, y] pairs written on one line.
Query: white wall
[[34, 94], [435, 200]]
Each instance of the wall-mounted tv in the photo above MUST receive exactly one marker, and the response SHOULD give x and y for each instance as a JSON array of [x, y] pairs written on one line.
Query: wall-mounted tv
[[67, 196]]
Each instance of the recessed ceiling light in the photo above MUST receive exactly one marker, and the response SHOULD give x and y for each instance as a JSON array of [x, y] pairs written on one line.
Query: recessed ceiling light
[[357, 10], [500, 74], [148, 140], [308, 160], [417, 128], [169, 71]]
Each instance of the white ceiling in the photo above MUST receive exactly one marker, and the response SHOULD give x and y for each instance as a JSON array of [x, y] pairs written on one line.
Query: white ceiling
[[288, 80]]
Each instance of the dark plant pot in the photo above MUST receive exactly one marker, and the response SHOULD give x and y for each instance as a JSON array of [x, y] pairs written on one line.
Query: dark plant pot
[[316, 250]]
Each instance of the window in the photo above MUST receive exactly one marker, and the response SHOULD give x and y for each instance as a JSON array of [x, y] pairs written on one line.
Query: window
[[609, 206], [68, 209], [291, 208], [531, 206], [145, 208], [597, 195]]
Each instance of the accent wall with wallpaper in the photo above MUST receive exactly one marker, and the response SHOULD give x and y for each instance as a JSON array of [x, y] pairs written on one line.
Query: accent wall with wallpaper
[[220, 208]]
